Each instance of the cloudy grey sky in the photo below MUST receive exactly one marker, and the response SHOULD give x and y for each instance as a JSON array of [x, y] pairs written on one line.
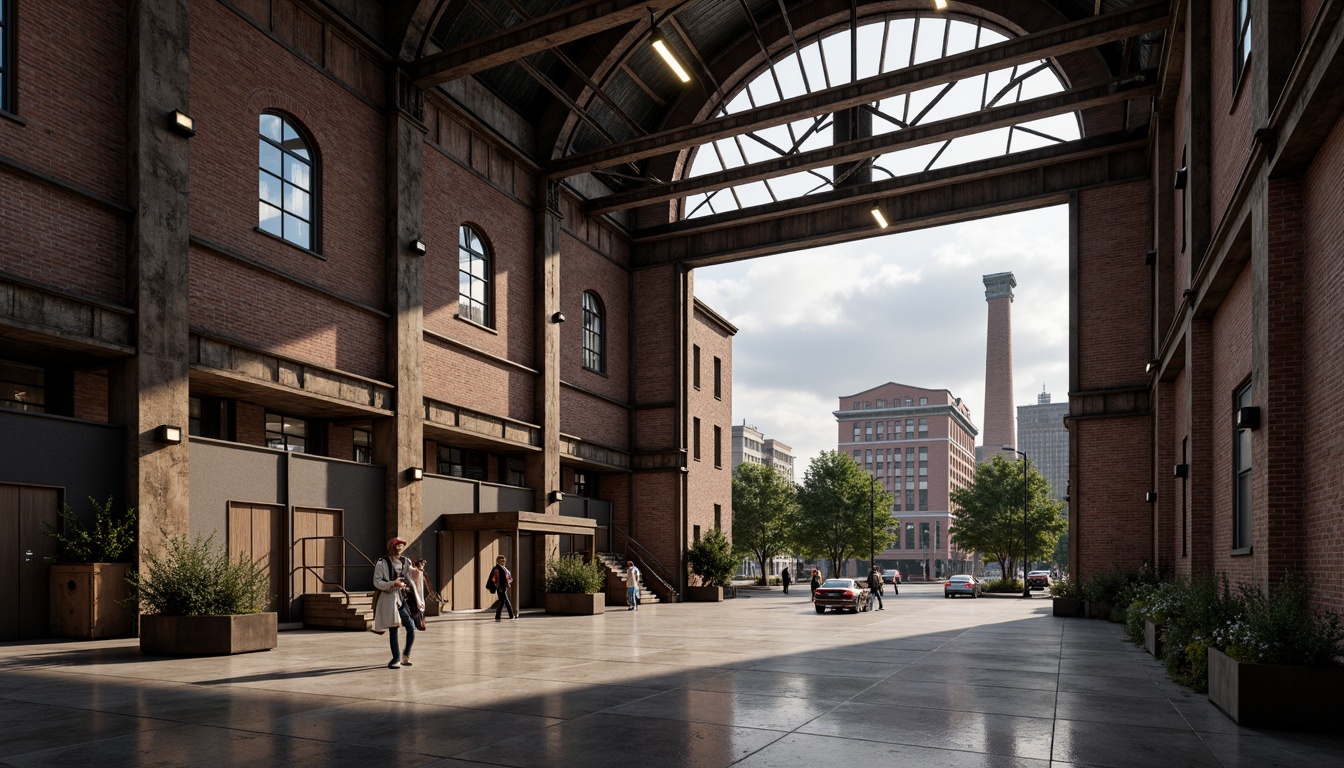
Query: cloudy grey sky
[[819, 324]]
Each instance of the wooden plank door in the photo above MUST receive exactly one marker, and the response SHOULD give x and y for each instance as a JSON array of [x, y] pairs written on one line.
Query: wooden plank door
[[256, 531], [25, 553], [317, 544]]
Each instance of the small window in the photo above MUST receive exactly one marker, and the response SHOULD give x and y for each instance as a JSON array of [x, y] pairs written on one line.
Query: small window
[[718, 517], [923, 401], [1242, 29], [286, 182], [909, 535], [22, 387], [718, 379], [457, 462], [475, 278], [585, 485], [516, 473], [857, 405], [695, 532], [923, 427], [286, 433], [363, 440], [594, 333], [7, 58], [868, 432], [695, 365], [718, 446], [858, 432], [1241, 489], [695, 439]]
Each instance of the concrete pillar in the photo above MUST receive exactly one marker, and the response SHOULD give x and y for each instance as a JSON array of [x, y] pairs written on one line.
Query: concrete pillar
[[151, 389], [1000, 423], [1204, 468], [398, 440], [543, 469]]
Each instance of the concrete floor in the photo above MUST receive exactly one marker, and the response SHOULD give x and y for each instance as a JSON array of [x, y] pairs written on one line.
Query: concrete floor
[[758, 681]]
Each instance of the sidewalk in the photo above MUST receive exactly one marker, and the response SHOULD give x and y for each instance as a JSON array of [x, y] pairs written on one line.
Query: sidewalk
[[757, 681]]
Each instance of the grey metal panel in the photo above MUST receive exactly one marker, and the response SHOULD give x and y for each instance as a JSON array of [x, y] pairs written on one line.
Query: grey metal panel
[[448, 496], [86, 458], [505, 498], [223, 472]]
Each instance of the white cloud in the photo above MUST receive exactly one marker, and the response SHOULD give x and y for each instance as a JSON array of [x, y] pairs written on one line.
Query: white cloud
[[819, 324]]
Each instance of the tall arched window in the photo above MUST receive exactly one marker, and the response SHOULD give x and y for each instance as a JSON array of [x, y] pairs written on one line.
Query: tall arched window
[[475, 278], [286, 182], [594, 333]]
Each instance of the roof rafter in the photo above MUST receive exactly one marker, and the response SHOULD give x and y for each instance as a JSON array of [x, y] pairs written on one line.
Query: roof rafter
[[1066, 38]]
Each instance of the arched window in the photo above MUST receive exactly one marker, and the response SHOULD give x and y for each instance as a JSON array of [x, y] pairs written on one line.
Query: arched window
[[475, 278], [286, 182], [594, 333]]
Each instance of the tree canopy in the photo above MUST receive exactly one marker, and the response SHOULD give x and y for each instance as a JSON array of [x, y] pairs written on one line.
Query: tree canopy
[[841, 512], [765, 506], [989, 515]]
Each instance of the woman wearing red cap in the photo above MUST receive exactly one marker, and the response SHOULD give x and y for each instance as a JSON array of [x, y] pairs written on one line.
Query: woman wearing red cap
[[392, 578]]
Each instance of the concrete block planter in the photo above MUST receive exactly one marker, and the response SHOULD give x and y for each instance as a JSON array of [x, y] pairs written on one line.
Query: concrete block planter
[[576, 605], [1152, 638], [1067, 606], [1275, 695], [86, 601], [207, 635], [704, 594]]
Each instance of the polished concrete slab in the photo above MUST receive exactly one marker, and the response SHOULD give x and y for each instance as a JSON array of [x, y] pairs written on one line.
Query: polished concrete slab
[[759, 681]]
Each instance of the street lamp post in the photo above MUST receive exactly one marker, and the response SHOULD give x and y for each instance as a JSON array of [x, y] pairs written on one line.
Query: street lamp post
[[1026, 504]]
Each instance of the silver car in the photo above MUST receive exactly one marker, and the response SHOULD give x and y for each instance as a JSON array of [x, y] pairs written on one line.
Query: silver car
[[961, 584]]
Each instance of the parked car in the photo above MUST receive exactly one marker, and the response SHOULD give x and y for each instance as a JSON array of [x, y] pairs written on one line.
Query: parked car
[[961, 584], [891, 576], [1039, 580], [842, 594]]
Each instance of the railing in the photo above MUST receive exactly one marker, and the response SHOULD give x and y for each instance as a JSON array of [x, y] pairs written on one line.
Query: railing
[[636, 551], [313, 569]]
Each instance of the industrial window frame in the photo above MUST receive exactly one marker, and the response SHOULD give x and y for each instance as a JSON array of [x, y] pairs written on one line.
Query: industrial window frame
[[277, 161]]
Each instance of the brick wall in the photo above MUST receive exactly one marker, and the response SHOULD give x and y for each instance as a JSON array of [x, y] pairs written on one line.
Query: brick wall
[[1230, 111], [709, 483], [1230, 366]]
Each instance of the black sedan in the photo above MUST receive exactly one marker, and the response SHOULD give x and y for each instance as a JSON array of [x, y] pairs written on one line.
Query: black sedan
[[842, 594]]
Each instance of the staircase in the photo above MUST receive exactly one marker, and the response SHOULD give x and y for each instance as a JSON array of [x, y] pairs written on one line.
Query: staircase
[[330, 610], [614, 565]]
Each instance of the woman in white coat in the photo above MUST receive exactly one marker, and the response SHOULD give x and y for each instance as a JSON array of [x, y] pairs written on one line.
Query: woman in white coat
[[391, 575]]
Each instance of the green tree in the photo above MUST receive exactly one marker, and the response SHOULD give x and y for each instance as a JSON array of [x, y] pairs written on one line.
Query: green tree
[[765, 505], [989, 515], [840, 512], [712, 559]]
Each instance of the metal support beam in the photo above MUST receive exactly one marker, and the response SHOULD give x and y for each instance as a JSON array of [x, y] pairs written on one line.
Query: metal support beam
[[1061, 40], [564, 26], [964, 125]]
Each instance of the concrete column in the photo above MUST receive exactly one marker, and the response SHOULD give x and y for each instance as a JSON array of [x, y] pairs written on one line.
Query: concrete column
[[1000, 423], [151, 389], [543, 469], [398, 440]]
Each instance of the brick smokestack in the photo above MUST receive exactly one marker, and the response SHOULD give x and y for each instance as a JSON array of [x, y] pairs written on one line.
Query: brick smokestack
[[1000, 423]]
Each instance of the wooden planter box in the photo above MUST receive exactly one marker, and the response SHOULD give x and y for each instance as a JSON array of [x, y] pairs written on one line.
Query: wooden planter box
[[1152, 638], [1276, 695], [1067, 606], [576, 605], [85, 601], [704, 594], [1097, 609], [207, 635]]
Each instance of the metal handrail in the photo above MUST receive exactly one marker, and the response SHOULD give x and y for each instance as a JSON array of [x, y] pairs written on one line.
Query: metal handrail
[[645, 556], [303, 566]]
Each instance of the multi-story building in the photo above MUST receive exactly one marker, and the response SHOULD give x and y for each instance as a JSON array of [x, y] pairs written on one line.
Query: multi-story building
[[1041, 434], [750, 445], [918, 444]]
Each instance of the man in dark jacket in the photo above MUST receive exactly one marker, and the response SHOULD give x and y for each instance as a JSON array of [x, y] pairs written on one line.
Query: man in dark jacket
[[786, 579], [875, 585]]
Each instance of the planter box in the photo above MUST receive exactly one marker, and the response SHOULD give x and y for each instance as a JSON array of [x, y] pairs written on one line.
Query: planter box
[[207, 635], [1152, 638], [704, 594], [1097, 609], [1067, 606], [1276, 695], [84, 601], [576, 605]]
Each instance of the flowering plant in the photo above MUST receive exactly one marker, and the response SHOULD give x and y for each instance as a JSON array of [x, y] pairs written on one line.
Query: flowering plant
[[1281, 627]]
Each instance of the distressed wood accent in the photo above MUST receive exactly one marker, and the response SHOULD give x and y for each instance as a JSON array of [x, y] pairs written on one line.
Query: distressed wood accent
[[455, 417], [30, 309], [219, 357], [1108, 403], [665, 461], [593, 453]]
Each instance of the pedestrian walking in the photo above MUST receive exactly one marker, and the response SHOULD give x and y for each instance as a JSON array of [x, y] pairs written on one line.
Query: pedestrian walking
[[631, 586], [786, 579], [816, 581], [392, 579], [499, 582], [875, 585]]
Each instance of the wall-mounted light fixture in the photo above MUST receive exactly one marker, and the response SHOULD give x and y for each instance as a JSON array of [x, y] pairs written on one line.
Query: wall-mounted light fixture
[[555, 497], [415, 473], [879, 217], [1181, 175], [659, 44], [1150, 496], [1248, 417], [557, 317], [170, 434], [1152, 366], [940, 5], [1150, 258], [181, 123], [419, 247], [1180, 470]]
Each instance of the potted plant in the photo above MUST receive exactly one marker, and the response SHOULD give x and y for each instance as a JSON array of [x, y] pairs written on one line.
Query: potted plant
[[712, 561], [1279, 650], [196, 601], [574, 587], [88, 582], [1067, 597]]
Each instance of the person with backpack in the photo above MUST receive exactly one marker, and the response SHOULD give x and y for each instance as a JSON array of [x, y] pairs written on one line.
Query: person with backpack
[[875, 585], [499, 582], [392, 577]]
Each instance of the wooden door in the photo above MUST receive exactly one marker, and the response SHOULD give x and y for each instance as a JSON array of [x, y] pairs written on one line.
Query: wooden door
[[256, 531], [25, 554], [318, 545]]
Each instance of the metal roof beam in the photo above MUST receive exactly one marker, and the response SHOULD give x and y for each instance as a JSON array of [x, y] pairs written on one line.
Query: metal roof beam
[[872, 146], [575, 22], [1066, 38]]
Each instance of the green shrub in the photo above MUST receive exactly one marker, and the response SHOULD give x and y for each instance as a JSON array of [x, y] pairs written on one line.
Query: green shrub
[[1067, 588], [195, 578], [711, 558], [111, 535], [1003, 585], [1194, 610], [774, 581], [570, 575], [1281, 627]]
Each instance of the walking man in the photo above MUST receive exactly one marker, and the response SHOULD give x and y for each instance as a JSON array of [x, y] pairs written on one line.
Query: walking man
[[501, 579], [631, 586], [786, 579], [875, 585]]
